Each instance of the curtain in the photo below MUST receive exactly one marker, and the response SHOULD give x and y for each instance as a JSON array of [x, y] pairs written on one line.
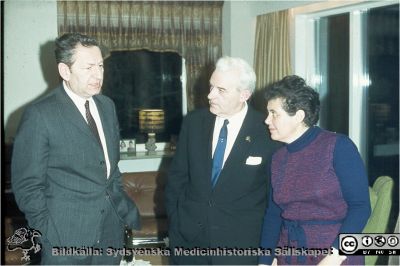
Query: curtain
[[191, 28], [272, 48]]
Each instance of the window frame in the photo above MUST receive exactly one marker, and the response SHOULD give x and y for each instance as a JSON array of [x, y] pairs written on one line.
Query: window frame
[[304, 57], [161, 145]]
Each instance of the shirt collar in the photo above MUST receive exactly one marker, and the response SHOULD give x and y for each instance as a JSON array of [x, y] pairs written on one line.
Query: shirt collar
[[78, 100], [235, 119]]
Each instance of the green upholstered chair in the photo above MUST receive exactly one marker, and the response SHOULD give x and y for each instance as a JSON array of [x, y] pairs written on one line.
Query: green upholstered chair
[[381, 203]]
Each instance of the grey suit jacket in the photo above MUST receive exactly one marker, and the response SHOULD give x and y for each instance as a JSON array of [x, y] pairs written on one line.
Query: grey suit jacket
[[59, 171]]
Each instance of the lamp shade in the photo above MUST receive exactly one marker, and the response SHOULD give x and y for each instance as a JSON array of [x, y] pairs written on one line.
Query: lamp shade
[[151, 120]]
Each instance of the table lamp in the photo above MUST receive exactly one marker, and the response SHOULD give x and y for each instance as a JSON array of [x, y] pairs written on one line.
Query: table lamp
[[151, 121]]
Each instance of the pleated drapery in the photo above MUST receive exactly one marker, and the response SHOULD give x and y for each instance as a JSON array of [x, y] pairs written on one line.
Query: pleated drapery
[[272, 48], [191, 28]]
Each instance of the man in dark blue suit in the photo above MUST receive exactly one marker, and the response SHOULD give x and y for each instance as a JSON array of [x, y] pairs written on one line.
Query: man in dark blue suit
[[65, 174], [217, 185]]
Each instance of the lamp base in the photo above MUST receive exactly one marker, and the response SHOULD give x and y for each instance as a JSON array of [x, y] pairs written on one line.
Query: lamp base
[[151, 144]]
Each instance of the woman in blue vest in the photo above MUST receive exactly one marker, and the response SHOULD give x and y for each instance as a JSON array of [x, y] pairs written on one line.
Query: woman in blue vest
[[319, 187]]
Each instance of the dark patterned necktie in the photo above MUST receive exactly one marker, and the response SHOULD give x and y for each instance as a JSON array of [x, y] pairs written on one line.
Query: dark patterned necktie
[[92, 123], [219, 153]]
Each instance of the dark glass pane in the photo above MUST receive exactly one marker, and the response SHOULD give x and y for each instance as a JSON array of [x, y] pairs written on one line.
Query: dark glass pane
[[143, 79], [383, 97], [333, 62]]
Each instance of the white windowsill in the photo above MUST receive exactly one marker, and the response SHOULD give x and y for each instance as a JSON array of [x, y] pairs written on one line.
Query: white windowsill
[[141, 161]]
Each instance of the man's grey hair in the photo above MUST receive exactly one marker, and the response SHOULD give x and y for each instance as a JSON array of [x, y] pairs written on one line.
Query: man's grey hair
[[247, 76]]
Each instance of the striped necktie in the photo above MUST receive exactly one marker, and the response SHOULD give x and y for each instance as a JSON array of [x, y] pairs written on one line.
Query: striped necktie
[[92, 123]]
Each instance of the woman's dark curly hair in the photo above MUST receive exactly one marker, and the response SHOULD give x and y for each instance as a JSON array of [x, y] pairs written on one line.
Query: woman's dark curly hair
[[296, 95]]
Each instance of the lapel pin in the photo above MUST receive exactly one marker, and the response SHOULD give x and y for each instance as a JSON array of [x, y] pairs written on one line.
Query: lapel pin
[[248, 139]]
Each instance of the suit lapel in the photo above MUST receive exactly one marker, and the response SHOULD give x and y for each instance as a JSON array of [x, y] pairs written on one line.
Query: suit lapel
[[71, 113], [107, 126], [240, 148], [207, 135]]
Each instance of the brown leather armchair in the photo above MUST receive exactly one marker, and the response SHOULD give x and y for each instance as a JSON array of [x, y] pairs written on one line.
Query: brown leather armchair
[[147, 190]]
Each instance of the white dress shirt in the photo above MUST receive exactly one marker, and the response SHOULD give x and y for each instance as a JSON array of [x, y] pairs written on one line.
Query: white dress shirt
[[235, 123], [80, 104]]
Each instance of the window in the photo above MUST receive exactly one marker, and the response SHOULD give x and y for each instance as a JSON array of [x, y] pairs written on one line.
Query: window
[[382, 61], [333, 68], [144, 79], [379, 67], [350, 53]]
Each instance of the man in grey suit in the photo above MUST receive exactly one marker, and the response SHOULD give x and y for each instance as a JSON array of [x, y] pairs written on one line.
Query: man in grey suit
[[217, 185], [65, 174]]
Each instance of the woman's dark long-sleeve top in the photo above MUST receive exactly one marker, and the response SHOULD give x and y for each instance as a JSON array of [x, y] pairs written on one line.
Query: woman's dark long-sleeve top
[[349, 169]]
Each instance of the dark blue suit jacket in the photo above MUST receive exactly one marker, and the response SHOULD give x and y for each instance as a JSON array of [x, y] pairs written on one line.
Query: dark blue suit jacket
[[231, 214]]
